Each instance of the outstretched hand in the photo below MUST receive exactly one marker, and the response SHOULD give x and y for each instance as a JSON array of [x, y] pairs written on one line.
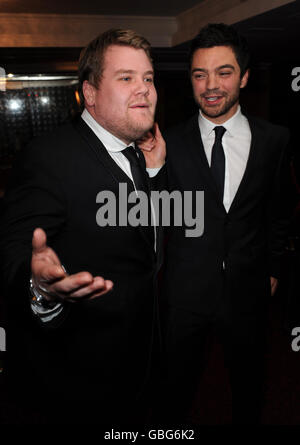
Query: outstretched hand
[[154, 148], [51, 280]]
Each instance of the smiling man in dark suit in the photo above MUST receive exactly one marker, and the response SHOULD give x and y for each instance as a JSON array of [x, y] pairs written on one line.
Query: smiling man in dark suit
[[80, 348], [223, 279]]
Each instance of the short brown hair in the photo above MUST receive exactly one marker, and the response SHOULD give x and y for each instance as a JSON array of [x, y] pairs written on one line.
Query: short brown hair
[[219, 34], [91, 61]]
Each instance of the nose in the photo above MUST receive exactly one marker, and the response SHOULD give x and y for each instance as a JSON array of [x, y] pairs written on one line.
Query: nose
[[142, 86], [212, 82]]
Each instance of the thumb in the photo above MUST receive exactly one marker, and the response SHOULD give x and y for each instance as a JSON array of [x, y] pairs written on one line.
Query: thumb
[[39, 241], [157, 133]]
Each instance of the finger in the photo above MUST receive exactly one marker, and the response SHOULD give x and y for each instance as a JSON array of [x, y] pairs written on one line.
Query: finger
[[97, 285], [39, 241], [147, 147], [156, 131], [70, 283], [107, 287], [146, 136]]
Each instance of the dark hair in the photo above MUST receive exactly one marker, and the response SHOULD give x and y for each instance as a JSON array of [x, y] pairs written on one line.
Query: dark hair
[[219, 34], [91, 61]]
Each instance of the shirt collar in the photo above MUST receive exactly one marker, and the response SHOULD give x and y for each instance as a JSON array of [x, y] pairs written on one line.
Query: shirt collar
[[232, 125], [110, 142]]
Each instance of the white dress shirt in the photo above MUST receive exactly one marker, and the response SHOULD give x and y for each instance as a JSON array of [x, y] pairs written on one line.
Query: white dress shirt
[[236, 142]]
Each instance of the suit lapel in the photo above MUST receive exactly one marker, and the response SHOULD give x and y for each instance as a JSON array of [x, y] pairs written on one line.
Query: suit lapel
[[118, 175], [102, 155], [255, 153]]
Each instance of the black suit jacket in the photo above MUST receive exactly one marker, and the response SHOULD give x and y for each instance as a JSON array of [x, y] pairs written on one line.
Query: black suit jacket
[[230, 265], [96, 349]]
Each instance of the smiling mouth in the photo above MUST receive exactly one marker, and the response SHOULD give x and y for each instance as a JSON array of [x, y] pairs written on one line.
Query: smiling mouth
[[212, 99]]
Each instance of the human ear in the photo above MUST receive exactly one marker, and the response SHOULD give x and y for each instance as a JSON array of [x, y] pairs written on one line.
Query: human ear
[[244, 79], [88, 91]]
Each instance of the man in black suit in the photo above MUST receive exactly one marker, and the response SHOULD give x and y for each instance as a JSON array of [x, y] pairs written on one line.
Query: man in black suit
[[80, 346], [223, 279]]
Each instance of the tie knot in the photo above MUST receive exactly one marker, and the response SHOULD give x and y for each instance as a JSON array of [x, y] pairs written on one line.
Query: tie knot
[[219, 130], [131, 154]]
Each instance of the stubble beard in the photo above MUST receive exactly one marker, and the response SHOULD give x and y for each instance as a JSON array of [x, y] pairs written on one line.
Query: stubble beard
[[131, 131], [217, 112]]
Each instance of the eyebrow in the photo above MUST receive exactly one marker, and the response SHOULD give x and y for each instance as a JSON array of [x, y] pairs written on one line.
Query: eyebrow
[[218, 68], [126, 71]]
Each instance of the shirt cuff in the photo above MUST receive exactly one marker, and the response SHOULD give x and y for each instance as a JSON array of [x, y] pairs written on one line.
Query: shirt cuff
[[153, 171]]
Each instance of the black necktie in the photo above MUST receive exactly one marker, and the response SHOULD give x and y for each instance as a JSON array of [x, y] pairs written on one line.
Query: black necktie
[[138, 168], [140, 179], [217, 165]]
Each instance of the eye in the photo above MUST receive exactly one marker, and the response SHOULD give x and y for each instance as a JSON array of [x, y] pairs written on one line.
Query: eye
[[199, 76], [125, 78], [225, 73], [149, 79]]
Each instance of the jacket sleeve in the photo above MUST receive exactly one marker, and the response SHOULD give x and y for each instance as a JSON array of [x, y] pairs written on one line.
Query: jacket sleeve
[[34, 198], [279, 210]]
